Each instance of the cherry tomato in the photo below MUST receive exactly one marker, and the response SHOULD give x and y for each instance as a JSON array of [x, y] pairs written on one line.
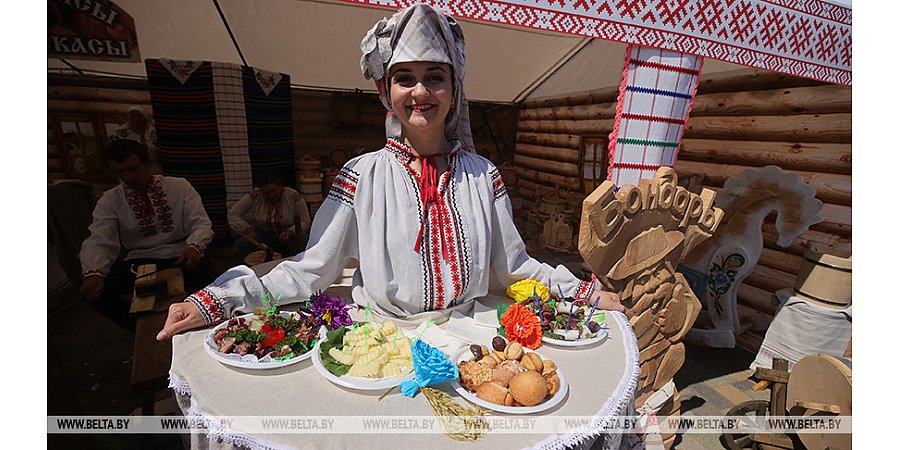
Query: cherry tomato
[[273, 337]]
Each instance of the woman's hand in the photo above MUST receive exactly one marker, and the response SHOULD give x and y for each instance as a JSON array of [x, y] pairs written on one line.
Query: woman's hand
[[607, 300], [183, 316]]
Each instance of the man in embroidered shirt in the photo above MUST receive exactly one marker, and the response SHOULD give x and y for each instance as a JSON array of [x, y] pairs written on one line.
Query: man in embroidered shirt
[[271, 209], [146, 219]]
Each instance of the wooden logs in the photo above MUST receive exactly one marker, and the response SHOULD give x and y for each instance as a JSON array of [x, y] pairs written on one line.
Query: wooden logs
[[549, 140], [805, 127], [830, 188], [805, 156], [548, 179], [603, 126], [97, 94], [549, 155], [783, 101], [770, 279], [811, 239], [565, 169], [573, 112], [584, 98], [82, 107], [758, 299], [783, 261], [750, 80]]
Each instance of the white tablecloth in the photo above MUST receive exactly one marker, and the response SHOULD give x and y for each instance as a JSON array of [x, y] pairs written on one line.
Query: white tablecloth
[[602, 382]]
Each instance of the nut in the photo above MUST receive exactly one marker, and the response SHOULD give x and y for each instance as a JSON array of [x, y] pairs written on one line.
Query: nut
[[532, 361], [476, 351], [514, 351], [549, 366], [498, 343]]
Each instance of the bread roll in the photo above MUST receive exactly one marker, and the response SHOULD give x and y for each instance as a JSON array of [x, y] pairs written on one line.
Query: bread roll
[[502, 376], [528, 388], [492, 392]]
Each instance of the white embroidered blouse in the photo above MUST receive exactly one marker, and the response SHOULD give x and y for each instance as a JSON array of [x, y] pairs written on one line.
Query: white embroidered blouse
[[373, 215], [160, 224], [273, 218]]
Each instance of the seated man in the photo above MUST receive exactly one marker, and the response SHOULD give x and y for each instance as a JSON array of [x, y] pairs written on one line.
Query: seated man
[[149, 219], [273, 210]]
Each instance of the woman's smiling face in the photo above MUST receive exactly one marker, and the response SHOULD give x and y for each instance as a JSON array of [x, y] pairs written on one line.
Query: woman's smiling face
[[421, 94]]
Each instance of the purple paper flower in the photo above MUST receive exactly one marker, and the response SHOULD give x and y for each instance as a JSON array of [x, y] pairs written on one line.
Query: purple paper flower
[[330, 311]]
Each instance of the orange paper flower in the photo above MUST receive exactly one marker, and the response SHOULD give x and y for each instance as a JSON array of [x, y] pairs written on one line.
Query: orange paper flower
[[522, 326]]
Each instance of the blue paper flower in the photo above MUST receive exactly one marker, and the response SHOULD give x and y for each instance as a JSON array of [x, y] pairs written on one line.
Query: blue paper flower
[[431, 367]]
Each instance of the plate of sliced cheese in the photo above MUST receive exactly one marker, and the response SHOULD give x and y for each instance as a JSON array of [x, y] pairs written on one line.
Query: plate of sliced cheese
[[365, 356]]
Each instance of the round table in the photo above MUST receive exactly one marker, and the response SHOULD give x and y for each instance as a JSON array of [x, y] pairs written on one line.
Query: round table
[[602, 381]]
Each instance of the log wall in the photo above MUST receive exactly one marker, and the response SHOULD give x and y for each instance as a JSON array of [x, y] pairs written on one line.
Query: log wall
[[323, 121], [739, 120]]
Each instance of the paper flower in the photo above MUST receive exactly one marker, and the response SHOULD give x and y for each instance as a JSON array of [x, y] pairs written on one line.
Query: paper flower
[[332, 312], [522, 326], [524, 290], [431, 367]]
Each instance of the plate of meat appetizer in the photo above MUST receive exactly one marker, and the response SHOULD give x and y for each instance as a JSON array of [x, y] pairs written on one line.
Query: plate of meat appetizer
[[264, 341]]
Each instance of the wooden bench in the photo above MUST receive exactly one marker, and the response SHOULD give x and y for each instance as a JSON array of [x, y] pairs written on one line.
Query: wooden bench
[[152, 358]]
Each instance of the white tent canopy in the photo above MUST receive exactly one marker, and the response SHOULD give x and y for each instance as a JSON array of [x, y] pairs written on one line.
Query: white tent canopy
[[316, 42]]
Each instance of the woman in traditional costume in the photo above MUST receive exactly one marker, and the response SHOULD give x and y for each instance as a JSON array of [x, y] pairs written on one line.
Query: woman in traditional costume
[[428, 220]]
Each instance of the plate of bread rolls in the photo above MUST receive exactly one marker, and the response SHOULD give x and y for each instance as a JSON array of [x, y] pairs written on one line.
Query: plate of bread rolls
[[508, 378]]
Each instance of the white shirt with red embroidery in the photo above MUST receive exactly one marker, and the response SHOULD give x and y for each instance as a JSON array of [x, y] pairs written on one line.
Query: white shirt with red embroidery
[[373, 214], [273, 218], [160, 223]]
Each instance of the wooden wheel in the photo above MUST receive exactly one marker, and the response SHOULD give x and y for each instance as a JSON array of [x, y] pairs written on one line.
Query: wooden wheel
[[737, 441], [821, 385]]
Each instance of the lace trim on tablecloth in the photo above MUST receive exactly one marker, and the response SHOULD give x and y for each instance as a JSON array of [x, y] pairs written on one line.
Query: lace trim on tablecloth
[[217, 432], [620, 403]]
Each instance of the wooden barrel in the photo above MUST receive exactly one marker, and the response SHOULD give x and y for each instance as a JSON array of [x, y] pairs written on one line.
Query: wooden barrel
[[553, 205], [310, 187], [306, 164], [825, 279]]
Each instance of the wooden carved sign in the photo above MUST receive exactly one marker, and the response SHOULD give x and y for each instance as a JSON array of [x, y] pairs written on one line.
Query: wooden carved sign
[[632, 239]]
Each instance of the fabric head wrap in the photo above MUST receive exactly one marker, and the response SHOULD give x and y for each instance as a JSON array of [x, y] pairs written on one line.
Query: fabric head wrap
[[419, 33]]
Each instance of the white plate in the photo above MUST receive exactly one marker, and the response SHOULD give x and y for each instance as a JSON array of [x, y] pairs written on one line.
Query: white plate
[[465, 354], [601, 335], [249, 361], [362, 384]]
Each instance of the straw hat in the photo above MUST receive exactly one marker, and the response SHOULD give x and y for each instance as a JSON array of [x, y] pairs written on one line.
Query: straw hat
[[645, 250]]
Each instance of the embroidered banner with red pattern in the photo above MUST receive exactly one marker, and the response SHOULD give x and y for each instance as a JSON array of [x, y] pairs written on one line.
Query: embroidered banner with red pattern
[[806, 38]]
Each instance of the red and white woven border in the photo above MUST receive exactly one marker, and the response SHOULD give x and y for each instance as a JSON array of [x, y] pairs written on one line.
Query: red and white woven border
[[806, 38]]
